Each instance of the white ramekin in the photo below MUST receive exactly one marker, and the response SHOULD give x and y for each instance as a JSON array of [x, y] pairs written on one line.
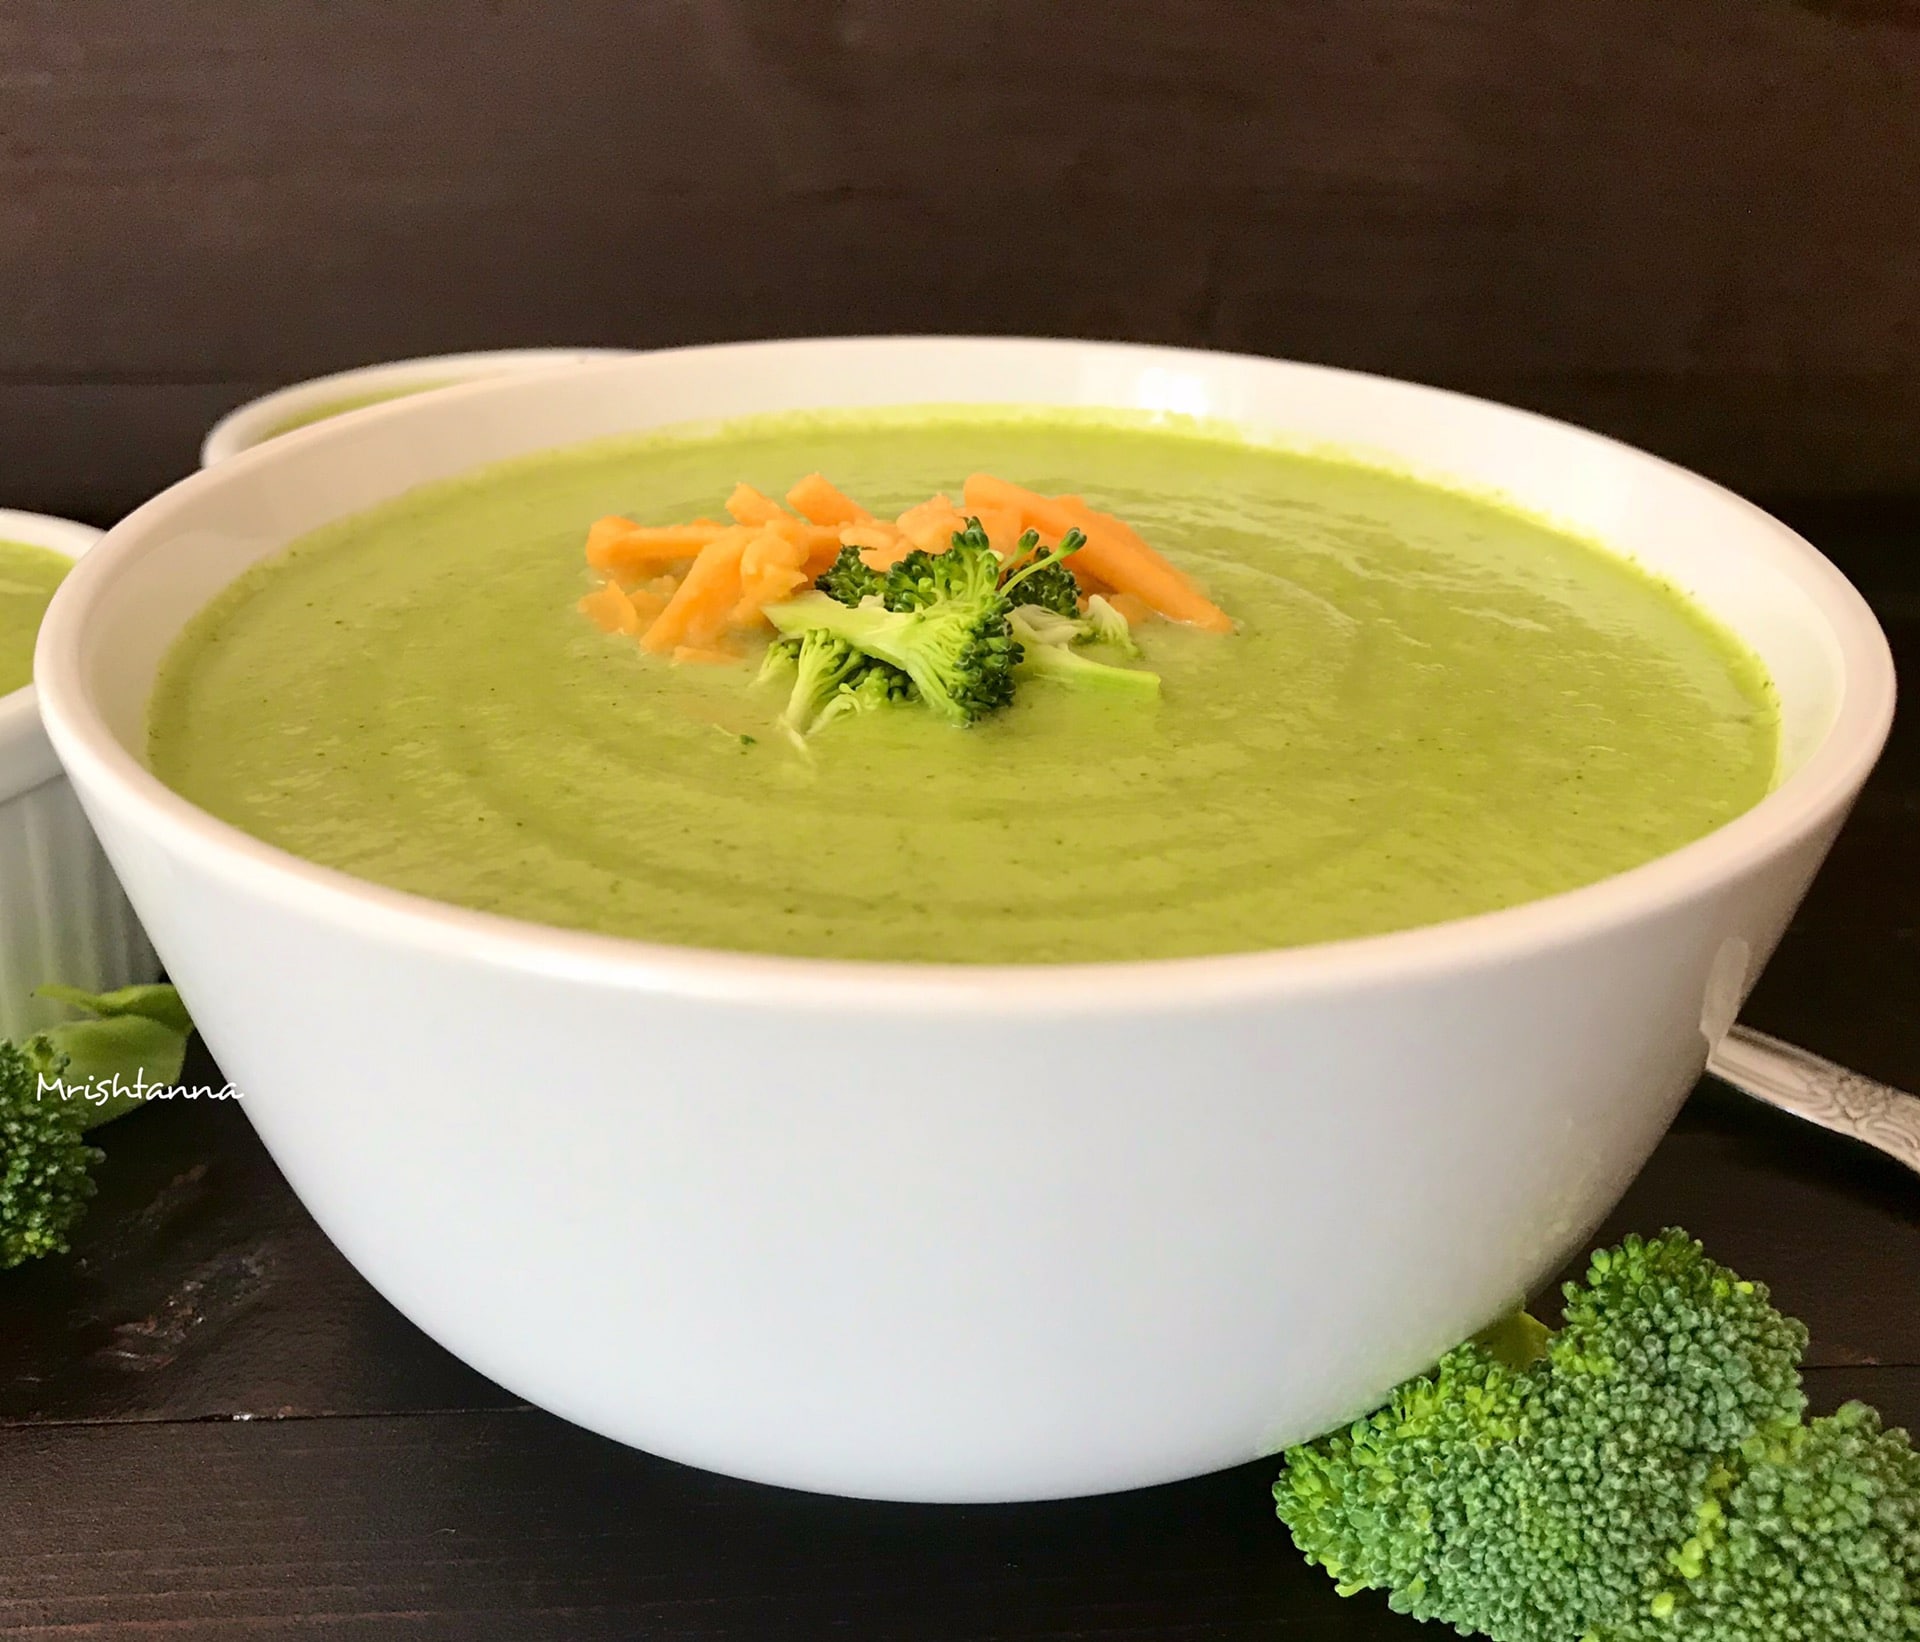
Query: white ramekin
[[258, 419], [62, 915], [942, 1233]]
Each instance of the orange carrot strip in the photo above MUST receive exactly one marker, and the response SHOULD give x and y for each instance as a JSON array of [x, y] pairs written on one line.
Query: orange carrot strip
[[771, 547], [1130, 605], [881, 545], [1002, 525], [698, 611], [610, 610], [646, 605], [816, 539], [702, 655], [773, 583], [818, 499], [603, 531], [637, 549], [931, 524], [1114, 552], [749, 507]]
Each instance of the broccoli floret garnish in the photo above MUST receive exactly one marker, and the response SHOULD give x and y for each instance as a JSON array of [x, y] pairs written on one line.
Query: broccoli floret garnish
[[1645, 1472], [1047, 651], [830, 676], [958, 649], [945, 627], [1042, 577], [782, 657], [1105, 625], [46, 1162], [967, 573], [874, 686], [849, 579]]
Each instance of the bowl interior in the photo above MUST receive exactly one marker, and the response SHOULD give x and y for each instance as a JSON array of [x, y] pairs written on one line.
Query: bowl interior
[[1756, 576], [116, 615], [24, 756]]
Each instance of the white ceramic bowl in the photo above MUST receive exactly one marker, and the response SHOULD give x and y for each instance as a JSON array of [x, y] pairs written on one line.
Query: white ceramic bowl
[[259, 420], [868, 1229], [62, 915]]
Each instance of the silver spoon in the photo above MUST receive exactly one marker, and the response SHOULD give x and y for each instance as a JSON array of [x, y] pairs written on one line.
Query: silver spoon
[[1797, 1081]]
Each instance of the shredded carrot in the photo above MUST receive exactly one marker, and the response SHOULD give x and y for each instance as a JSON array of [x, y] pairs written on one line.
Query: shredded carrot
[[610, 610], [748, 506], [1114, 553], [931, 525], [619, 547], [1003, 527], [646, 605], [697, 613], [702, 655], [816, 498], [729, 573]]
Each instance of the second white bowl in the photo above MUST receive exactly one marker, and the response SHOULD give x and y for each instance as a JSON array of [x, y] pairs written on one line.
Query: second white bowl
[[287, 409], [62, 914]]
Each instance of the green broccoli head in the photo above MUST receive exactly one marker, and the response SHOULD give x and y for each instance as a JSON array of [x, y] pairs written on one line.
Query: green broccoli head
[[967, 573], [45, 1162], [1563, 1497], [849, 579], [873, 686], [1815, 1533], [823, 664], [782, 658], [952, 640], [1042, 576]]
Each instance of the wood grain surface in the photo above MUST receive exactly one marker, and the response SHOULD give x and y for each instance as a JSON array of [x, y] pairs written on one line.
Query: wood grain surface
[[1694, 226]]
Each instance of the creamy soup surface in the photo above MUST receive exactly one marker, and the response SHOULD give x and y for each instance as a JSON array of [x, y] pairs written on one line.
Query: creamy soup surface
[[1433, 707], [28, 576]]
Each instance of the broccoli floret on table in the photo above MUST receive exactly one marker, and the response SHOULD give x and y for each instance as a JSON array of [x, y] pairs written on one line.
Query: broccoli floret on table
[[1644, 1472]]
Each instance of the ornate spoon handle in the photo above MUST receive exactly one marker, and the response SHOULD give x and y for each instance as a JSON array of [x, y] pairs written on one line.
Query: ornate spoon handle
[[1802, 1083]]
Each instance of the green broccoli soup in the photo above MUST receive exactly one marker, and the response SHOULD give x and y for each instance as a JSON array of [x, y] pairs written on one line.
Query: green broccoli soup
[[28, 576], [782, 736]]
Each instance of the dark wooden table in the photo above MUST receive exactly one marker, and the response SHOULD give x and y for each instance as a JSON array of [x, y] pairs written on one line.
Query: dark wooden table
[[210, 1427]]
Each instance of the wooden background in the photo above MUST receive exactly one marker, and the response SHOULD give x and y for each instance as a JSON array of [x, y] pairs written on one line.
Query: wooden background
[[1696, 225], [1693, 223]]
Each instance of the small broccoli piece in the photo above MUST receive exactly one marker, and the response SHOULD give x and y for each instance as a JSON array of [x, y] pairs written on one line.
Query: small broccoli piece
[[782, 658], [1105, 625], [45, 1162], [849, 579], [1044, 626], [823, 664], [1645, 1472], [1046, 642], [873, 686], [1041, 576], [968, 572], [949, 632], [138, 1036]]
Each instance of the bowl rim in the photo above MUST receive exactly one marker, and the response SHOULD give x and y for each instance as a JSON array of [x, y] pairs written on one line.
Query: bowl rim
[[20, 727], [1816, 794], [252, 423]]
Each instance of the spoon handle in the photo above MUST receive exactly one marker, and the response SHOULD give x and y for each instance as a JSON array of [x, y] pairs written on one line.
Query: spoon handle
[[1799, 1082]]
